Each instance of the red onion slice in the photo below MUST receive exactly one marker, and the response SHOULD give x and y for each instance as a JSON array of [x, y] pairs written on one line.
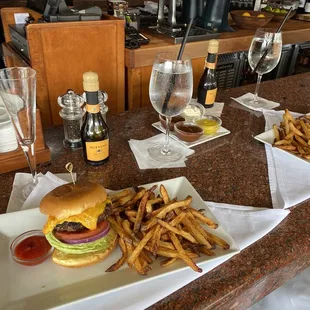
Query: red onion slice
[[89, 239]]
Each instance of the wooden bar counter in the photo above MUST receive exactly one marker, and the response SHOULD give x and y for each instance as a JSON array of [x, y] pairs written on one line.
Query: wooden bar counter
[[139, 62], [231, 169]]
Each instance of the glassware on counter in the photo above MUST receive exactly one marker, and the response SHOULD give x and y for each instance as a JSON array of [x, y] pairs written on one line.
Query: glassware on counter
[[210, 124], [30, 248], [72, 114], [188, 132], [173, 121], [264, 55], [170, 91], [18, 92], [194, 111]]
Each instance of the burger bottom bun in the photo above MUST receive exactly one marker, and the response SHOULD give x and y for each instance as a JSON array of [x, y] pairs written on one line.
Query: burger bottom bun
[[81, 260]]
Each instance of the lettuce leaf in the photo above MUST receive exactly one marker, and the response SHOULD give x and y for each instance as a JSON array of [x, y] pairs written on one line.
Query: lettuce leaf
[[81, 248]]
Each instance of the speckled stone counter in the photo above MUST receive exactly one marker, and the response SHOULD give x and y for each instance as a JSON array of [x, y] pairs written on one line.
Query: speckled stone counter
[[231, 169]]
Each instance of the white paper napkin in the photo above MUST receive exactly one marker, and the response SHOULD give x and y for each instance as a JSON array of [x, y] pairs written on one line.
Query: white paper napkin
[[46, 183], [144, 160], [216, 110], [289, 178], [243, 100], [245, 224], [294, 294]]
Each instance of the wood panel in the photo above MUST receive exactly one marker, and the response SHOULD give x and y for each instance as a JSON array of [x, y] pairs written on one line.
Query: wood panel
[[134, 81], [145, 82], [36, 52], [66, 50], [61, 52]]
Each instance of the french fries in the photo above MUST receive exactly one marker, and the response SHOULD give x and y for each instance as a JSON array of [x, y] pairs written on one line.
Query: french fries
[[162, 226], [293, 135]]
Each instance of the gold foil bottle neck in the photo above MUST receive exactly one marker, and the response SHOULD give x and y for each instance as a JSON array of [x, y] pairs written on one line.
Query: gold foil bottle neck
[[213, 46], [90, 81]]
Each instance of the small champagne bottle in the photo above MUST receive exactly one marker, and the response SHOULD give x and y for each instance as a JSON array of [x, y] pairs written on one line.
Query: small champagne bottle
[[94, 131], [207, 87]]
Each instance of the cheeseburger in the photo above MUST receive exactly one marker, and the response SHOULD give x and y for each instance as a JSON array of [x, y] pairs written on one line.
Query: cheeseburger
[[77, 227]]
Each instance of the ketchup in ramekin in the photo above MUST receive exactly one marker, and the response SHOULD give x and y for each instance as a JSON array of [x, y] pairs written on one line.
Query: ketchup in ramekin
[[30, 248]]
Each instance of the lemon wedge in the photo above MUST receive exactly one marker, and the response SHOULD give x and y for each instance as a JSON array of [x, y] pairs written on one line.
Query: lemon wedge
[[260, 16], [246, 14]]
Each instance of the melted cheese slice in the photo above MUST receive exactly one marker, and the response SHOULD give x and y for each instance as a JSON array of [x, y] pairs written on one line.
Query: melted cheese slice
[[88, 218]]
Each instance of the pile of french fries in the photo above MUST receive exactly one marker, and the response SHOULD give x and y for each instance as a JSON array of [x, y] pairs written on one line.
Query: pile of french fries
[[293, 135], [150, 227]]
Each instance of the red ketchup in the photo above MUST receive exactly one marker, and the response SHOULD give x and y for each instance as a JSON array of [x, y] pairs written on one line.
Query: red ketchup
[[32, 250]]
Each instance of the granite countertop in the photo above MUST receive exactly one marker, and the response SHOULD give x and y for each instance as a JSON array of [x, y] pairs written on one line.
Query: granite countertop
[[231, 169]]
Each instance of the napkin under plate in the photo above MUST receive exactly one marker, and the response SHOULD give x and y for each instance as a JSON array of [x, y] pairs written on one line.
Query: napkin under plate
[[245, 224], [289, 177], [144, 160], [243, 100]]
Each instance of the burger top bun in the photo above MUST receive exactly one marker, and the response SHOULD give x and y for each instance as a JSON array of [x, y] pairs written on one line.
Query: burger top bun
[[69, 199]]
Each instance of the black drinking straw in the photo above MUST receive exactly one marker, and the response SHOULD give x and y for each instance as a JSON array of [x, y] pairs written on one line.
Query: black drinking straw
[[270, 44], [172, 82]]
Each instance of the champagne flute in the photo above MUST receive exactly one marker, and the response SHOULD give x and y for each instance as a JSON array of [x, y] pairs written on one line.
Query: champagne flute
[[264, 55], [170, 91], [18, 92]]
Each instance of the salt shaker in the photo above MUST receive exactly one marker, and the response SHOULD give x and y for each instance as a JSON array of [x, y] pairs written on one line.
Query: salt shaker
[[102, 99], [72, 114]]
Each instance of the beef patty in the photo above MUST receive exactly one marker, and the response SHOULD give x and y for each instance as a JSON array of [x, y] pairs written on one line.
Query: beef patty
[[75, 226]]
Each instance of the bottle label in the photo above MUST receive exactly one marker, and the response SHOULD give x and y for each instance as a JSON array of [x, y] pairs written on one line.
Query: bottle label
[[98, 150], [210, 65], [210, 98], [93, 108], [211, 61]]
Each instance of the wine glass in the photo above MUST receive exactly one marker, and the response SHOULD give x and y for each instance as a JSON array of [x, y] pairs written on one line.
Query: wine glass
[[264, 55], [170, 91], [18, 92]]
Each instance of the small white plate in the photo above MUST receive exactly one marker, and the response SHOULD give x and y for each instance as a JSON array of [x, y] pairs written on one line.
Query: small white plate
[[268, 137], [204, 138], [49, 285]]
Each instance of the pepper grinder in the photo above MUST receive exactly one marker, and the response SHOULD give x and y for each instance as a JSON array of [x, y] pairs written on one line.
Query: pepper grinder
[[72, 113]]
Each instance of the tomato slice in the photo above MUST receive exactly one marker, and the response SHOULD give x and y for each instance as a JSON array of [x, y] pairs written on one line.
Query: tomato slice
[[83, 234]]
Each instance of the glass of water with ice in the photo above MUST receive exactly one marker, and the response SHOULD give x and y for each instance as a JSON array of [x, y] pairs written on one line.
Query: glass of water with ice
[[264, 55], [170, 90]]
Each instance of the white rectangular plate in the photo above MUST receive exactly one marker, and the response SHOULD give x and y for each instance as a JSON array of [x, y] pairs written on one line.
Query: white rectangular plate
[[204, 138], [49, 285], [268, 137]]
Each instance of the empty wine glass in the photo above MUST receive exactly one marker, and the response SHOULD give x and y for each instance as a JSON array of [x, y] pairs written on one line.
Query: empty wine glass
[[170, 91], [264, 55], [18, 92]]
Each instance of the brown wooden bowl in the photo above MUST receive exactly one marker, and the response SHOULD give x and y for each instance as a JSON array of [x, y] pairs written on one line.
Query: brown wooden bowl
[[251, 22]]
